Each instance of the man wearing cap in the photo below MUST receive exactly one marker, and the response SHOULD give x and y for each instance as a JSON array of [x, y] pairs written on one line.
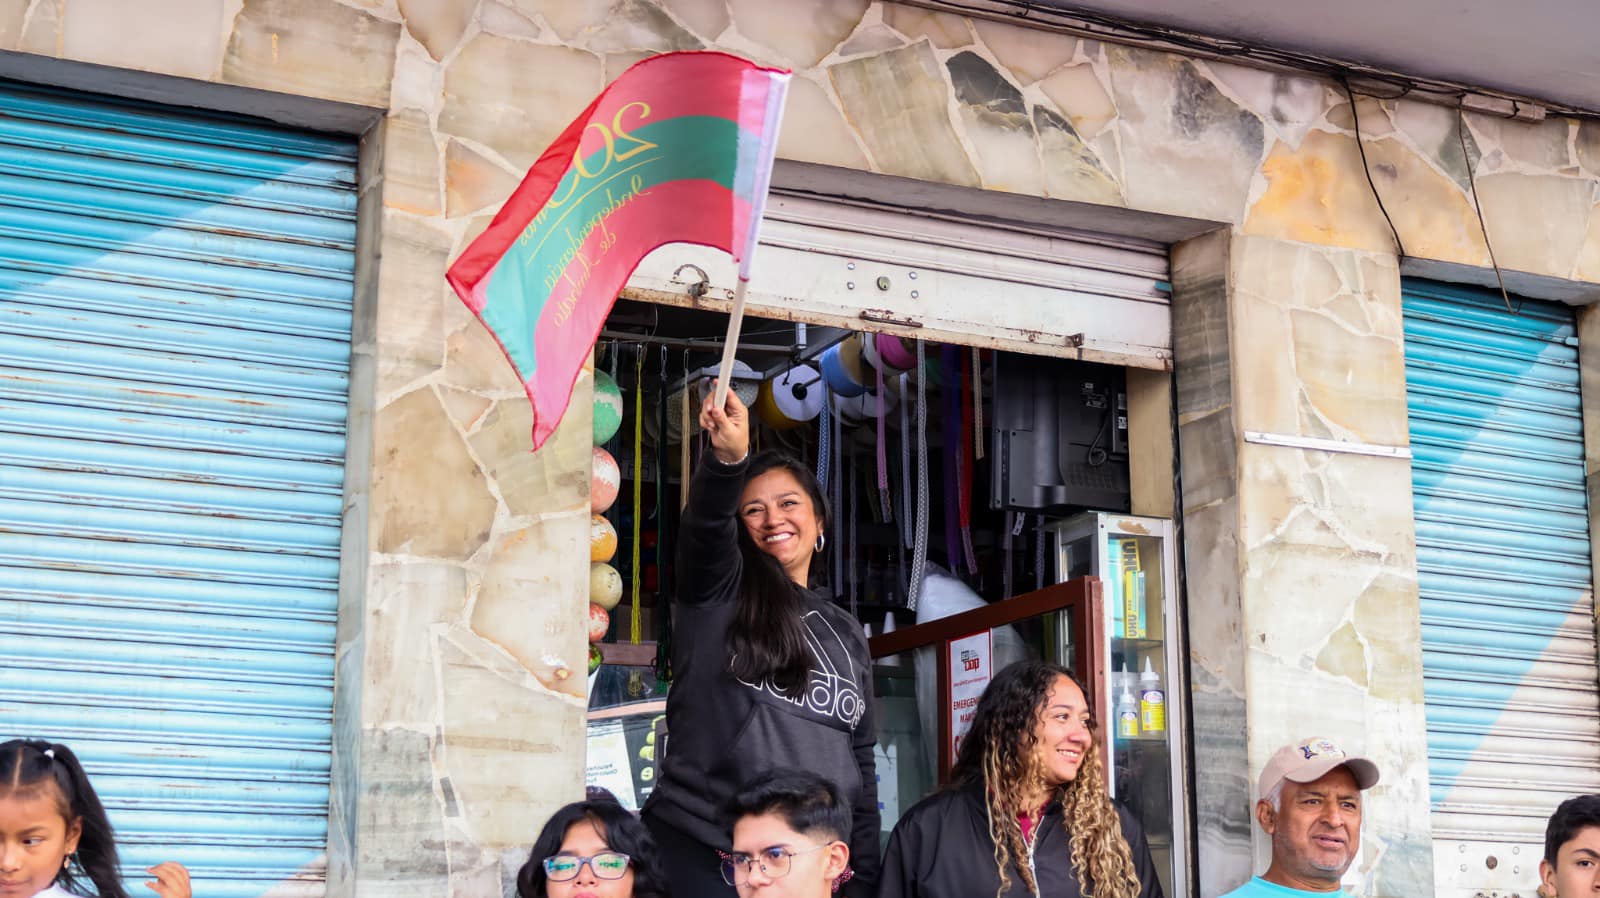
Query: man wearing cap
[[1310, 804]]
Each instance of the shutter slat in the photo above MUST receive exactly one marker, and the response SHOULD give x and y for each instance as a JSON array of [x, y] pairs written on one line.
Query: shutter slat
[[1503, 558], [175, 313]]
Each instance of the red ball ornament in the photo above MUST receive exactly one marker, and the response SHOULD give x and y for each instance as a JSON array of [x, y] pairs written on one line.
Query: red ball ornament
[[599, 622], [604, 481]]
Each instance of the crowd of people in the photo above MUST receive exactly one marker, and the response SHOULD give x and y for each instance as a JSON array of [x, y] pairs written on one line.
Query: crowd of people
[[767, 787]]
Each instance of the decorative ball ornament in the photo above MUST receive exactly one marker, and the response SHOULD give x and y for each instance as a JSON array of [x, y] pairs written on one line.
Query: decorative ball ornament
[[602, 539], [599, 622], [607, 408], [604, 482], [605, 585], [595, 658]]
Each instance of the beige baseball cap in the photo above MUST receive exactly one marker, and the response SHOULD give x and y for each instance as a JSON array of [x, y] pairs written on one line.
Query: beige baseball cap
[[1309, 760]]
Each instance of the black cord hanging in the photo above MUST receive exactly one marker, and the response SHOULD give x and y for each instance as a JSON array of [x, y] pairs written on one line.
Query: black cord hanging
[[666, 539], [1366, 169], [1472, 181]]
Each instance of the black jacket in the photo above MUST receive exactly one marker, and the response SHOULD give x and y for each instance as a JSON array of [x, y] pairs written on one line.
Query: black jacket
[[721, 731], [941, 849]]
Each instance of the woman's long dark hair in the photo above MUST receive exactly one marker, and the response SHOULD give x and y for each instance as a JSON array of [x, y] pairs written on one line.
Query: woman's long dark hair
[[999, 753], [622, 832], [32, 768], [767, 637]]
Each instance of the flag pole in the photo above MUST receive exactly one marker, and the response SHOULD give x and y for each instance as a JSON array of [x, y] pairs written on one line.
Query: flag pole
[[735, 322], [777, 91]]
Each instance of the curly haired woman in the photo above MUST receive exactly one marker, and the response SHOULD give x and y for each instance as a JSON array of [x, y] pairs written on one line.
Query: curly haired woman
[[1027, 812]]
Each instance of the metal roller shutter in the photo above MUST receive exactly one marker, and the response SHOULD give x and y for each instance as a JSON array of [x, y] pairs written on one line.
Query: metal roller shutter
[[1503, 556], [175, 295]]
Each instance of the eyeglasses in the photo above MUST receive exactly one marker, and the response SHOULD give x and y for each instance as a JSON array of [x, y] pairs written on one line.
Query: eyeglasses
[[606, 865], [774, 863]]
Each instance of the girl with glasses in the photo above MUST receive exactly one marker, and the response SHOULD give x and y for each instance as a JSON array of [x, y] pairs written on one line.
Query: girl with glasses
[[768, 671], [1027, 813], [596, 849]]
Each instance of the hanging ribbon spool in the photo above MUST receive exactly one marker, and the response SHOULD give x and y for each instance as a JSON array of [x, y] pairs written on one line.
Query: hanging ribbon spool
[[792, 398], [843, 368], [888, 353], [746, 382], [856, 409]]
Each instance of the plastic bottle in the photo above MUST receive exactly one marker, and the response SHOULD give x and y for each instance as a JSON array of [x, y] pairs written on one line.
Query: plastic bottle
[[1152, 700], [1127, 708]]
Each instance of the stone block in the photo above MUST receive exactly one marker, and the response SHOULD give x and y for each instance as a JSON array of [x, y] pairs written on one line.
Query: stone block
[[1028, 53], [872, 39], [312, 49], [944, 30], [187, 43], [569, 18], [516, 97], [411, 301], [534, 597], [1072, 170], [410, 164], [802, 33], [13, 15], [996, 122], [408, 603], [553, 479], [1290, 105], [635, 25], [1076, 90], [1537, 223], [899, 101], [473, 183], [399, 849], [415, 449], [1186, 147], [814, 131], [706, 18], [1318, 194], [499, 18], [438, 25]]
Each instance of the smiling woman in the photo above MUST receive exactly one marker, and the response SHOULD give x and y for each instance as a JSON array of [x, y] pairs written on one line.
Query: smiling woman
[[1027, 812], [770, 673]]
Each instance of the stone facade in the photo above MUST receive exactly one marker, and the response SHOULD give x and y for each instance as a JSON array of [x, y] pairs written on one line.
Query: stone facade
[[460, 690]]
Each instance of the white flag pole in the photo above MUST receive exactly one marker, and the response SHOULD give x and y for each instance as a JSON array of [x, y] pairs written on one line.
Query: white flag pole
[[777, 90]]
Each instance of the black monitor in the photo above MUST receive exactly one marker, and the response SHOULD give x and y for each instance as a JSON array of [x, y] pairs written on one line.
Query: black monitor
[[1060, 435]]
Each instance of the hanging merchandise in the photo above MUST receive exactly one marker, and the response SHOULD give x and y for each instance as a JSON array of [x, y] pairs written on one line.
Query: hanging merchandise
[[599, 622], [843, 369], [681, 403], [665, 563], [745, 382], [977, 402], [602, 539], [964, 469], [824, 446], [607, 408], [862, 407], [950, 432], [605, 481], [792, 398], [919, 550], [635, 604], [888, 354], [882, 445], [605, 585]]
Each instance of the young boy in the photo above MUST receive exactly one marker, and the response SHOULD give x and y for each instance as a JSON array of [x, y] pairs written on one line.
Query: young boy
[[789, 837], [1571, 865]]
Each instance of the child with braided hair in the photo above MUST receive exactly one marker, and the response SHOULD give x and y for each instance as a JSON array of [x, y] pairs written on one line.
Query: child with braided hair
[[1027, 812], [54, 833]]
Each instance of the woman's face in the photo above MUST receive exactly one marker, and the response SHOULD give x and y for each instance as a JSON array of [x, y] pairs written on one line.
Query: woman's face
[[782, 520], [1061, 735], [585, 839]]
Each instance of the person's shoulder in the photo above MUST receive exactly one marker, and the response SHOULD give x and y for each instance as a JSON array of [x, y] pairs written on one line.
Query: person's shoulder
[[1256, 887], [940, 808]]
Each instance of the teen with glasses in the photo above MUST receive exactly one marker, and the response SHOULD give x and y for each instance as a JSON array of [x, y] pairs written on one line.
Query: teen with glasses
[[595, 849], [789, 837], [768, 671]]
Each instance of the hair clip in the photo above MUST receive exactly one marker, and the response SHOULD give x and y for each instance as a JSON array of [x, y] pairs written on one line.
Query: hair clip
[[50, 753]]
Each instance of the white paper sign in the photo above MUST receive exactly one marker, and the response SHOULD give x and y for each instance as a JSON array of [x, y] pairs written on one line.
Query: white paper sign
[[971, 666], [608, 762]]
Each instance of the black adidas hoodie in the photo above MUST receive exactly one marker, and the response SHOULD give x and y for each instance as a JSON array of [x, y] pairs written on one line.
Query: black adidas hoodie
[[721, 732]]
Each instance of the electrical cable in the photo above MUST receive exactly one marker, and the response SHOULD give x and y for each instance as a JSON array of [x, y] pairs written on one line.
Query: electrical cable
[[1472, 181], [1355, 118], [919, 548]]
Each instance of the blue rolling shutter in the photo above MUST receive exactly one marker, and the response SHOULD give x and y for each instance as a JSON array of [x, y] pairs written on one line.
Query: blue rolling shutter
[[1508, 627], [175, 295]]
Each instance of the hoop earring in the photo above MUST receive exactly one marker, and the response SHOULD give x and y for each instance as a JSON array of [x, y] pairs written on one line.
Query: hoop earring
[[822, 540]]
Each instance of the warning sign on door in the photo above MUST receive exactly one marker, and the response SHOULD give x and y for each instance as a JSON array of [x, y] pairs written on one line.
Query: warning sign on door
[[971, 666]]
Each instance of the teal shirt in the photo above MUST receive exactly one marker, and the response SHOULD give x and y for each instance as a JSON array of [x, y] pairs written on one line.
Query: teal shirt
[[1260, 888]]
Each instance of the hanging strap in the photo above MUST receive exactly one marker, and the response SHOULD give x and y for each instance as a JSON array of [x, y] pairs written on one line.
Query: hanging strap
[[666, 533], [634, 620], [883, 456], [977, 402], [824, 443], [954, 439], [965, 487], [919, 549], [683, 440], [906, 523]]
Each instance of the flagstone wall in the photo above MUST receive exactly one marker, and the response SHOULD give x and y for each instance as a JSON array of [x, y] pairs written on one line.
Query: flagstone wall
[[461, 646]]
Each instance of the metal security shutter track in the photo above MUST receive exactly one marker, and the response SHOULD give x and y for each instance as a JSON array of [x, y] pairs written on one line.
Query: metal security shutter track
[[175, 294], [864, 266], [1503, 554]]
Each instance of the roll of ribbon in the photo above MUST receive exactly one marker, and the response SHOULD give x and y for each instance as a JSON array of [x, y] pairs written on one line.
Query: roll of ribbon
[[791, 398], [836, 370], [746, 383], [894, 354], [856, 409]]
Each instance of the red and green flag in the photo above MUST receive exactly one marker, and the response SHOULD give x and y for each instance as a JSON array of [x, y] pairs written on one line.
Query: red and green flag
[[678, 149]]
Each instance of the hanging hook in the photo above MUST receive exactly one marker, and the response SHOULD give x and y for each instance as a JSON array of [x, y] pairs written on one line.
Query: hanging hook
[[700, 287]]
